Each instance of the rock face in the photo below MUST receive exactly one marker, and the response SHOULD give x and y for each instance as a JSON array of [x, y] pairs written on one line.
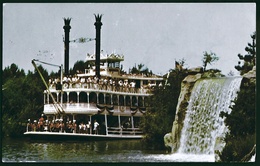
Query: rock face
[[250, 76], [186, 89], [172, 140], [168, 140], [250, 155], [195, 70]]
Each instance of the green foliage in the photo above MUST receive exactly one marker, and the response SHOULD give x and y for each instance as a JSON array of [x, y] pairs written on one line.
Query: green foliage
[[212, 73], [12, 72], [158, 120], [241, 120], [22, 99], [249, 60], [209, 58], [80, 67], [241, 123], [237, 147], [140, 70]]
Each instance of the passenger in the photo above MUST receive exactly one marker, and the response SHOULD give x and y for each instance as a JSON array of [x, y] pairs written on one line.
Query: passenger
[[69, 79], [50, 83], [84, 129], [74, 79], [70, 127], [89, 83], [111, 84], [41, 121], [46, 126], [88, 127], [132, 86], [74, 125], [114, 86], [160, 85], [120, 83], [34, 126], [125, 85], [29, 125], [127, 124], [81, 128], [51, 126], [57, 126], [101, 83], [82, 80], [105, 84], [62, 126], [96, 124], [142, 89]]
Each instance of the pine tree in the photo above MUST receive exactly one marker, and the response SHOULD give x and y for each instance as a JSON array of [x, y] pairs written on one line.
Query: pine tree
[[249, 59]]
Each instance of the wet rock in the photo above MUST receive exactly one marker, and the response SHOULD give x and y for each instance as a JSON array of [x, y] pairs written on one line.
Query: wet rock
[[191, 78], [168, 141], [251, 75], [212, 73], [183, 101], [249, 156], [195, 70]]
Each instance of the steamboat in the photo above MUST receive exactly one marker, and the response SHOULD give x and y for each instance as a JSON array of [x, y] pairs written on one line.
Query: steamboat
[[101, 102]]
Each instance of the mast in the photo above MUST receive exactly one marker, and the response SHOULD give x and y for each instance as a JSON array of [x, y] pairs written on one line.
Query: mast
[[98, 25]]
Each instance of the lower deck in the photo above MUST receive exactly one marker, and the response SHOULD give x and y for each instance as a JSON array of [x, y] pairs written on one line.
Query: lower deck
[[81, 125], [76, 136]]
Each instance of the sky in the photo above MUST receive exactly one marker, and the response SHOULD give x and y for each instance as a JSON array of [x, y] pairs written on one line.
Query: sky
[[155, 34]]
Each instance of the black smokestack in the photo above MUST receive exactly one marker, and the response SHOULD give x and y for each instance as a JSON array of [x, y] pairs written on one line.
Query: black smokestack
[[98, 25], [66, 28]]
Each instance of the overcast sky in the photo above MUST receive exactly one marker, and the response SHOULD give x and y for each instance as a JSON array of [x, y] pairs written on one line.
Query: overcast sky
[[153, 34]]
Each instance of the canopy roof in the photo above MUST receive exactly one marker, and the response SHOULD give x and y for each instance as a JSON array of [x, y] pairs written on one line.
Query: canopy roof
[[110, 58]]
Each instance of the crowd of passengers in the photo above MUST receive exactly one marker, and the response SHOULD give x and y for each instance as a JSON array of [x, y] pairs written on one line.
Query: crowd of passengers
[[104, 84], [59, 125]]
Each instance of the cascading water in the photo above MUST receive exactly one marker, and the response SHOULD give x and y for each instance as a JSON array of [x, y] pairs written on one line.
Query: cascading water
[[203, 124], [204, 130]]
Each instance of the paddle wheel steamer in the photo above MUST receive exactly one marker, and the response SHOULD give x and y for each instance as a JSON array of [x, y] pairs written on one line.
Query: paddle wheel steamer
[[101, 102]]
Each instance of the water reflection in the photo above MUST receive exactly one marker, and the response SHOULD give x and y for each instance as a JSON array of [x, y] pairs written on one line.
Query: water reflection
[[20, 150]]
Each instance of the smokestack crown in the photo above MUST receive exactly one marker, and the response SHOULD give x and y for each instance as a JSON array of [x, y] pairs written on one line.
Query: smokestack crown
[[67, 23], [98, 20]]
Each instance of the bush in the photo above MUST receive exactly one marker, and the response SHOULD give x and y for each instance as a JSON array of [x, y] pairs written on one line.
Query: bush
[[241, 123], [237, 147], [159, 119]]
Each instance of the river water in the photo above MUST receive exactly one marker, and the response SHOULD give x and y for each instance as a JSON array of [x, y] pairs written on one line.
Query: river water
[[24, 150]]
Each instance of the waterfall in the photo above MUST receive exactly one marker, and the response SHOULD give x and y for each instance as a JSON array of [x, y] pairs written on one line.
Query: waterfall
[[203, 129]]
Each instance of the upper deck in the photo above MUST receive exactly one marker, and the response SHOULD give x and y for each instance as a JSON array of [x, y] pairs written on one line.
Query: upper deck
[[113, 79], [114, 87]]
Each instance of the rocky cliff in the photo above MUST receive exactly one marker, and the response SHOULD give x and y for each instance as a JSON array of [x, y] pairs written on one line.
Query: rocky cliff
[[172, 139]]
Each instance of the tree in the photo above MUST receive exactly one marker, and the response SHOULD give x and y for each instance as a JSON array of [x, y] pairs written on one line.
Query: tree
[[12, 71], [249, 59], [179, 64], [209, 58], [241, 123], [79, 67], [21, 99], [159, 118], [140, 70]]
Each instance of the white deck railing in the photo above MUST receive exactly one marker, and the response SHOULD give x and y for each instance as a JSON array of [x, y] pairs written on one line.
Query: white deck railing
[[88, 108], [145, 90]]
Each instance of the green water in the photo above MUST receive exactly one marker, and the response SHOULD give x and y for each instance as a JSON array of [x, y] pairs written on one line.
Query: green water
[[24, 150]]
